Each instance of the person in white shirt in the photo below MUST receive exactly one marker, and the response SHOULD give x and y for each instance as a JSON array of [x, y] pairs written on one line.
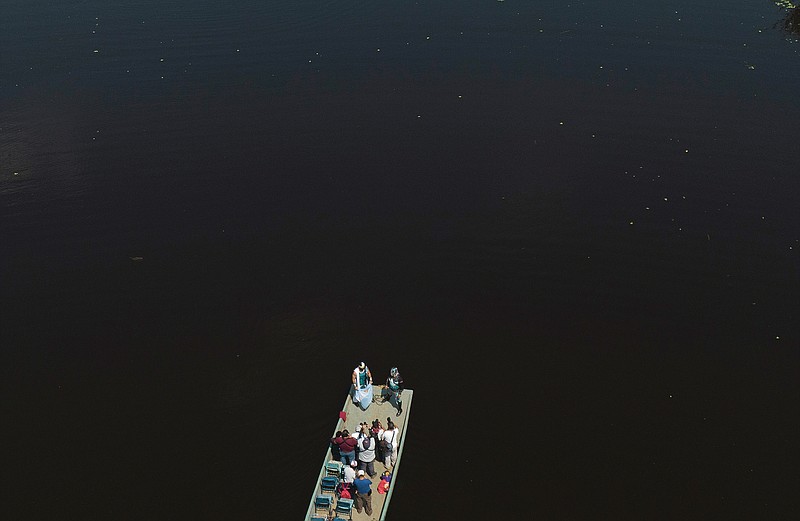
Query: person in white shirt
[[350, 472], [391, 436], [362, 386], [366, 451]]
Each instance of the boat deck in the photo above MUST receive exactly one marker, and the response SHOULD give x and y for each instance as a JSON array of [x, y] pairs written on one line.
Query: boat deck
[[379, 409]]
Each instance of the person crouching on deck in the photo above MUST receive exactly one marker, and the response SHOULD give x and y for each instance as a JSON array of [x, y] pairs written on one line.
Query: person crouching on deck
[[385, 482], [362, 386]]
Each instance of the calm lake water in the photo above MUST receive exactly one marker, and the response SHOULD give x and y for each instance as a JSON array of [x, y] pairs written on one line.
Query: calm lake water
[[574, 227]]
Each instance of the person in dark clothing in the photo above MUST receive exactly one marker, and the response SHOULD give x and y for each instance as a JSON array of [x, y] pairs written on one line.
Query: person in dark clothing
[[395, 386]]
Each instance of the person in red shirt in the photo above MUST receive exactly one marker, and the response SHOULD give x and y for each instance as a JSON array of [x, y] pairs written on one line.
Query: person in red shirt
[[347, 447]]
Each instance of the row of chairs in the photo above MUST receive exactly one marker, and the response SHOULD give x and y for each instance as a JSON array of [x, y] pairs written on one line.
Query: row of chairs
[[334, 472], [325, 504]]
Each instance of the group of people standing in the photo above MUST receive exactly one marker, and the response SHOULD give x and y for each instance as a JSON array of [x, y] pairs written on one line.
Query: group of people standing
[[359, 450], [362, 448]]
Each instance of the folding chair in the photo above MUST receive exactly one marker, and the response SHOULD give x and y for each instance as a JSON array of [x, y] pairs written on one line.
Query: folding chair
[[334, 468], [323, 503], [328, 484], [345, 506]]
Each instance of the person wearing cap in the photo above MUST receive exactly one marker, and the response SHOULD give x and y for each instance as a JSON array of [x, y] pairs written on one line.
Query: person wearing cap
[[362, 386], [363, 499], [350, 472], [394, 384]]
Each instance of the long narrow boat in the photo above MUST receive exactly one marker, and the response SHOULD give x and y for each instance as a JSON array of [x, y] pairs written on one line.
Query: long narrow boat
[[352, 416]]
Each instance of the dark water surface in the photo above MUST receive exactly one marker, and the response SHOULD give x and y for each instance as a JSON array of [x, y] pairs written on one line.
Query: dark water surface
[[573, 226]]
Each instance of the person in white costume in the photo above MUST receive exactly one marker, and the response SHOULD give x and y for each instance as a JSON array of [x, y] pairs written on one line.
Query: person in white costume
[[362, 386]]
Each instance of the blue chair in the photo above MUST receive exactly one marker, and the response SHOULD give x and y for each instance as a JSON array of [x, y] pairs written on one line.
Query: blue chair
[[345, 506], [328, 484], [318, 518], [323, 503], [334, 468]]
